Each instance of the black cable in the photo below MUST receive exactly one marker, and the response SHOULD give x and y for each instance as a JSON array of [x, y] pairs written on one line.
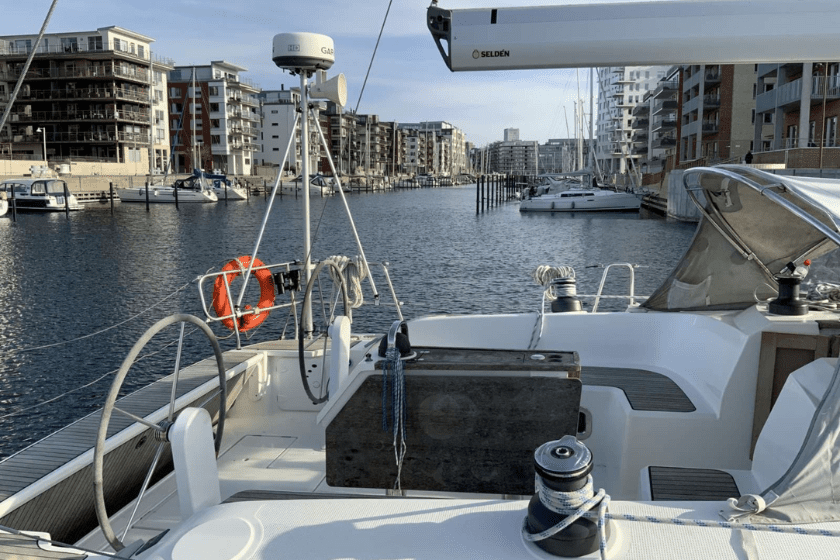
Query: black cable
[[381, 29]]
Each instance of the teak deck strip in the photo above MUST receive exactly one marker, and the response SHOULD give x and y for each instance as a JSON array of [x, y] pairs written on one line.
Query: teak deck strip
[[59, 448], [683, 484]]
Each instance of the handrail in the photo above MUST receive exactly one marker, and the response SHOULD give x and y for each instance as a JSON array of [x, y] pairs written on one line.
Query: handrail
[[632, 296], [237, 313]]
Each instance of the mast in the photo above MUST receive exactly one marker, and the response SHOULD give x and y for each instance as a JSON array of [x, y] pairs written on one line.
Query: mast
[[192, 120], [591, 122], [151, 117], [304, 181]]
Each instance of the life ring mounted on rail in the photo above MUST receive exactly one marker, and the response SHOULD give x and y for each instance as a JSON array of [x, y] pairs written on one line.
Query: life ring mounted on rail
[[222, 304]]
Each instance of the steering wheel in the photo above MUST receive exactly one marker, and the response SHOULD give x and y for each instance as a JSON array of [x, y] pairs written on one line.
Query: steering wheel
[[160, 430], [328, 306]]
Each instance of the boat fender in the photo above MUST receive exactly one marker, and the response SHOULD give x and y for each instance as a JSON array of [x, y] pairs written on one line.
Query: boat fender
[[552, 205], [573, 205], [221, 303]]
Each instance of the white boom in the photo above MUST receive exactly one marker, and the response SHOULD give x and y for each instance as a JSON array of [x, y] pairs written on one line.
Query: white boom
[[637, 33]]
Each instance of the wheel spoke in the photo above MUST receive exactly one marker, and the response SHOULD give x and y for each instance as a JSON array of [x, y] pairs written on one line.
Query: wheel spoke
[[175, 375], [138, 419], [145, 486]]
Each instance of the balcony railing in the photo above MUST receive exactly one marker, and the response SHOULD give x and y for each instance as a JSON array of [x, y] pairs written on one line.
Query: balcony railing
[[107, 115], [89, 93], [711, 100], [710, 128], [138, 74]]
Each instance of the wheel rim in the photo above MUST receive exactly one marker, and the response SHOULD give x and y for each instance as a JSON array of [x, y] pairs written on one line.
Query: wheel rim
[[109, 408]]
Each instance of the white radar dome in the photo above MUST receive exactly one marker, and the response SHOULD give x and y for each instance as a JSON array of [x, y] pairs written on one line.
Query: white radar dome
[[303, 51]]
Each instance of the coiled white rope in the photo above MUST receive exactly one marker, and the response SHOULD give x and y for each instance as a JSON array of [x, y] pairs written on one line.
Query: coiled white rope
[[575, 505], [543, 275], [355, 272], [825, 291]]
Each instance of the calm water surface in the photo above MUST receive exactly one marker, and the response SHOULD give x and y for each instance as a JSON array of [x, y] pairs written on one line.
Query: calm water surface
[[111, 277]]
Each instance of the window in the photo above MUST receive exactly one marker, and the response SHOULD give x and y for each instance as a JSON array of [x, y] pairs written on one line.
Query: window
[[174, 92], [275, 149], [768, 118], [177, 107], [812, 133], [141, 51], [831, 132], [275, 136], [752, 117], [274, 111], [69, 44], [131, 48], [213, 90], [275, 124], [214, 107], [95, 43]]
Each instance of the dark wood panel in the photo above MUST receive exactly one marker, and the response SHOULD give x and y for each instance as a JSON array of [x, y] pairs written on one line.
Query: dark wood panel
[[645, 390], [465, 433]]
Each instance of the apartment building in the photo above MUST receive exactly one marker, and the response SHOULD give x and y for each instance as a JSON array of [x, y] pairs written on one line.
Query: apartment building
[[434, 147], [88, 96], [515, 157], [214, 118], [561, 155], [656, 123], [796, 106], [620, 89], [717, 103]]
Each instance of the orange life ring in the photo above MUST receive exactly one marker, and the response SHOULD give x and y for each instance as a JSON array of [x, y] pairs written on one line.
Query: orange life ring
[[221, 303]]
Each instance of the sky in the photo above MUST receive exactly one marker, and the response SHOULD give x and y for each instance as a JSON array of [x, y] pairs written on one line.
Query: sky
[[409, 81]]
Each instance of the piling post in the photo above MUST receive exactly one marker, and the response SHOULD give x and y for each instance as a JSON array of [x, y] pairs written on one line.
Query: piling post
[[14, 206], [147, 196], [111, 192], [66, 200], [477, 186], [175, 190]]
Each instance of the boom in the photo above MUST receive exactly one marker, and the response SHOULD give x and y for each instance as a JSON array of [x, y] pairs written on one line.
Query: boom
[[637, 33]]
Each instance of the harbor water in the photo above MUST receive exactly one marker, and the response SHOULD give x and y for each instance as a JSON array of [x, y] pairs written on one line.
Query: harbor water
[[76, 292]]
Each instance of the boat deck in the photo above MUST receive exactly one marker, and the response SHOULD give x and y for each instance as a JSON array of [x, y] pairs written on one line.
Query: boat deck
[[69, 451]]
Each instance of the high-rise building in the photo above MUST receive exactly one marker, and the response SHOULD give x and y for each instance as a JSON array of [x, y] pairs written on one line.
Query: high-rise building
[[620, 89], [511, 134]]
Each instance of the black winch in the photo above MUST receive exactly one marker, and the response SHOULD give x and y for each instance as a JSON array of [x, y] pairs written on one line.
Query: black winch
[[563, 467], [565, 290], [789, 302]]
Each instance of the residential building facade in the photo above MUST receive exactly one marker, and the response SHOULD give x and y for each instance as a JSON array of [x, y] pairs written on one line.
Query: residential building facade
[[717, 104], [87, 96], [797, 106], [214, 118], [620, 89]]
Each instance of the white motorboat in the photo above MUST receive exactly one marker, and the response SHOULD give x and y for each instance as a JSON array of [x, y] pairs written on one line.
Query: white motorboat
[[319, 185], [4, 204], [708, 416], [189, 190], [38, 195], [571, 194]]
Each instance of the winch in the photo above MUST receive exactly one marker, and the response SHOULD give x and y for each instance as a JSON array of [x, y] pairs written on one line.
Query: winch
[[563, 484]]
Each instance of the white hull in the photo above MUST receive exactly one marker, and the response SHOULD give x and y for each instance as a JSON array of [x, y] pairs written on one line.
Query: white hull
[[582, 201], [163, 194], [232, 193], [4, 207]]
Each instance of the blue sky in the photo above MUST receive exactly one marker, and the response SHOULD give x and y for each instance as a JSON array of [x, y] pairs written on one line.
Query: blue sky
[[409, 81]]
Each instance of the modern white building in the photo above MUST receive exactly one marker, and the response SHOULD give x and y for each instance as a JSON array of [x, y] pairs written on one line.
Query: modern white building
[[620, 89], [511, 134], [279, 110]]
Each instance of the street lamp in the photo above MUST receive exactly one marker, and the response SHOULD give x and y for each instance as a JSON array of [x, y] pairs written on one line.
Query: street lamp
[[44, 132]]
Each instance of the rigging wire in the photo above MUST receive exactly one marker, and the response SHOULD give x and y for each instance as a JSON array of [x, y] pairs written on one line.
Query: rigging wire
[[95, 381], [106, 329], [381, 29]]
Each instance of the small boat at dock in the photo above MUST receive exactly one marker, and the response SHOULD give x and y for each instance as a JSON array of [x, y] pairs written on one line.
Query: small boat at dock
[[38, 195]]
